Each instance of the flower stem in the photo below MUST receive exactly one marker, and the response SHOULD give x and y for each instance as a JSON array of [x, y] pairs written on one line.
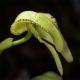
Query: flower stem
[[22, 40]]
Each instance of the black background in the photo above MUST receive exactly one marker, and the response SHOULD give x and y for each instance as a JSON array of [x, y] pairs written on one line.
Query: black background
[[32, 58]]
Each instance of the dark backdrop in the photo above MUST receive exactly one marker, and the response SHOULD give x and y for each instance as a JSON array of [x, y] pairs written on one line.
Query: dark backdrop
[[32, 58]]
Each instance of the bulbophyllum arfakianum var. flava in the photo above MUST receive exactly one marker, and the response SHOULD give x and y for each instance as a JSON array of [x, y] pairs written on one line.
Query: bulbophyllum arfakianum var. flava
[[43, 27]]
